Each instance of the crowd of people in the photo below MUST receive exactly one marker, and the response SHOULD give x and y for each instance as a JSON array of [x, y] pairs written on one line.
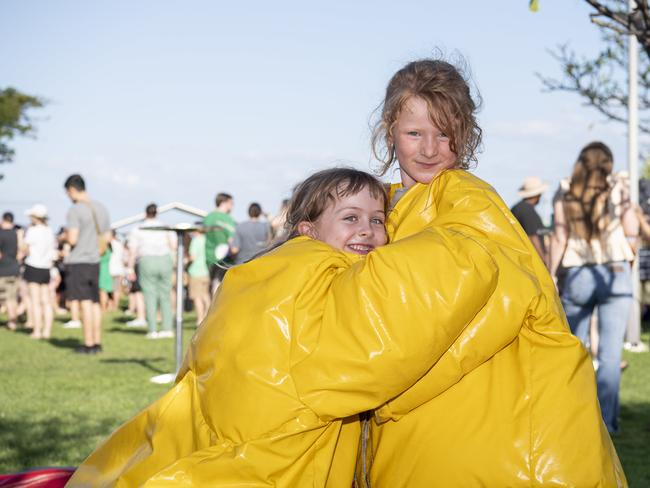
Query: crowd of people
[[87, 268]]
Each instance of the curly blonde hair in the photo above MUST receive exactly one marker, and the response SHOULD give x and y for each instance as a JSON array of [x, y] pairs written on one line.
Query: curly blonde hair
[[451, 108]]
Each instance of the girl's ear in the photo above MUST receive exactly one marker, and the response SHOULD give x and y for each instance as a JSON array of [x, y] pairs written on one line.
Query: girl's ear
[[307, 229]]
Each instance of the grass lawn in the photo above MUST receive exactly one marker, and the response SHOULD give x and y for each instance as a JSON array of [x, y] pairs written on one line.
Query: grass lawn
[[56, 406]]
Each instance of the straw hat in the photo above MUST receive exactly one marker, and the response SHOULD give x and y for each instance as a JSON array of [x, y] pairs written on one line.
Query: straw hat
[[532, 187], [38, 210]]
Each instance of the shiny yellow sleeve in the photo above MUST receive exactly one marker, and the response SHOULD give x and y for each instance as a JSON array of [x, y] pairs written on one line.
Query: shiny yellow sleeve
[[479, 212], [387, 319]]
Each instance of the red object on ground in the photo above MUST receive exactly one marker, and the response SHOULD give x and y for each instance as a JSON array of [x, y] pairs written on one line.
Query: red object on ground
[[37, 478]]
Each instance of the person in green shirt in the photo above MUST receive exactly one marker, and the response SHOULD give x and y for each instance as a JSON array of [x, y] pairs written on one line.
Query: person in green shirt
[[217, 241]]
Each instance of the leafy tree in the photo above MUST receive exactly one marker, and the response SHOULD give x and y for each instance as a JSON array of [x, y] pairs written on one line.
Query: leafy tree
[[14, 120], [602, 81]]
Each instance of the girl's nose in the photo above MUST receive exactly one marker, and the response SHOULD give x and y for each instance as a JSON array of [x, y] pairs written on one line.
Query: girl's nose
[[364, 229], [429, 147]]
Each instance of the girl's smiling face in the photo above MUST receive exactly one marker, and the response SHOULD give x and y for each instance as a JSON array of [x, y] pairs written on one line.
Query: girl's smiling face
[[422, 149], [352, 223]]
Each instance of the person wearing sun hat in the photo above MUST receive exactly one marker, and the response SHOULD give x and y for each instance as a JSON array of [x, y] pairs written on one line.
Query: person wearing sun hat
[[524, 211], [39, 248]]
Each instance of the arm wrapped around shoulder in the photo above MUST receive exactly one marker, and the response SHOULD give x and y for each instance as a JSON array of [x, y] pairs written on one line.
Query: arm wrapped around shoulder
[[387, 320]]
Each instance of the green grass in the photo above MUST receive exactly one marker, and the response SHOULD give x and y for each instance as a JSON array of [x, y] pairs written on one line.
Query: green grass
[[56, 406]]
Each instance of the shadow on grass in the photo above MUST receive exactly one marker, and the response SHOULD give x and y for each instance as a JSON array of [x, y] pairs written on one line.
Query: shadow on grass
[[145, 363], [130, 330], [67, 343], [27, 443], [123, 319], [633, 443]]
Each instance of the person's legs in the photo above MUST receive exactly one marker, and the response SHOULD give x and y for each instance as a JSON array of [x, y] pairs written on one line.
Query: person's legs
[[97, 324], [34, 310], [166, 270], [103, 299], [205, 299], [139, 306], [47, 309], [25, 305], [87, 322], [12, 312], [148, 282], [75, 311], [578, 300], [9, 296], [117, 293], [613, 312]]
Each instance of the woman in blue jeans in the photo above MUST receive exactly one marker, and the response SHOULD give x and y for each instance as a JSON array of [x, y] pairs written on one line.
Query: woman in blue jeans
[[591, 214]]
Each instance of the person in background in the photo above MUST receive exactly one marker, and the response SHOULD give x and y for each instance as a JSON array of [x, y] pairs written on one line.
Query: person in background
[[278, 222], [105, 280], [524, 211], [71, 305], [117, 270], [39, 247], [88, 227], [217, 241], [135, 305], [590, 242], [252, 236], [9, 267], [153, 251], [199, 276]]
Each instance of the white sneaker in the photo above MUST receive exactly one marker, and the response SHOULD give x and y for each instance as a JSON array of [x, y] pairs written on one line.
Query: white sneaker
[[152, 335], [72, 324], [165, 334], [636, 347], [136, 323]]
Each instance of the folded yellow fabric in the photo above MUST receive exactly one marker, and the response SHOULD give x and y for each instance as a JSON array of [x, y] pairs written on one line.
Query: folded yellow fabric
[[297, 342], [512, 402]]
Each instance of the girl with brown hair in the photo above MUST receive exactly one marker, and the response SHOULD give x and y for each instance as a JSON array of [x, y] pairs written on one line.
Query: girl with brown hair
[[512, 401], [590, 242]]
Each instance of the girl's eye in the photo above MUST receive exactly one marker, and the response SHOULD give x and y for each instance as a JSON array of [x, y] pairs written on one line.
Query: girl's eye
[[413, 133], [443, 136], [350, 218], [377, 221]]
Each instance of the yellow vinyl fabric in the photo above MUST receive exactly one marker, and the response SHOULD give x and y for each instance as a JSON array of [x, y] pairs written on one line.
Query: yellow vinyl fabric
[[296, 344], [512, 402]]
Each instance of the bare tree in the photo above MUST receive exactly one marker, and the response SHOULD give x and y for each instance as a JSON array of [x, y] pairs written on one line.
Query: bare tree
[[601, 81]]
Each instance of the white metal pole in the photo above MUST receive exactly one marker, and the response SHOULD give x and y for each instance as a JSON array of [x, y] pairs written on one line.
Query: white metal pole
[[634, 324], [179, 299]]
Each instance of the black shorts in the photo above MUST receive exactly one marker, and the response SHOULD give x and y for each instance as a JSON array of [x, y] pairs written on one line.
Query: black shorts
[[82, 281], [36, 275]]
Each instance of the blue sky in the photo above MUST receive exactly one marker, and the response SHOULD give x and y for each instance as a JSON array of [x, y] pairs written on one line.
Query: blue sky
[[160, 100]]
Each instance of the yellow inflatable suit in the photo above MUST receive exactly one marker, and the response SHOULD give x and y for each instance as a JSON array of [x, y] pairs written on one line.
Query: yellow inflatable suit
[[296, 343], [453, 334], [512, 403]]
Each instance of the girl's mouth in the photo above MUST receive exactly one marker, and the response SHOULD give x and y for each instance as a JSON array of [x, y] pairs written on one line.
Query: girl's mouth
[[360, 248]]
